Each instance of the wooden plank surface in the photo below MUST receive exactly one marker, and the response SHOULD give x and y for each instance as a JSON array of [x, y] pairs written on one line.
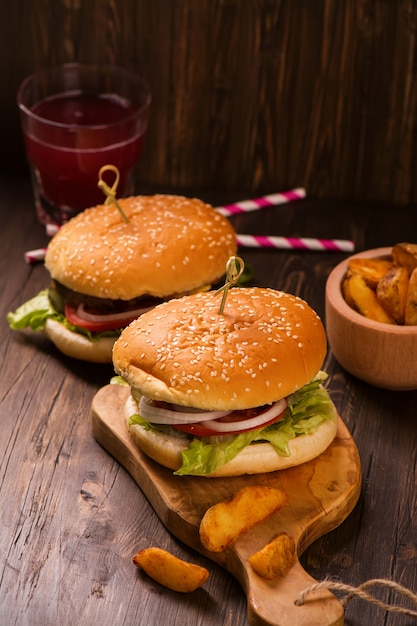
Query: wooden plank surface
[[251, 95], [71, 517]]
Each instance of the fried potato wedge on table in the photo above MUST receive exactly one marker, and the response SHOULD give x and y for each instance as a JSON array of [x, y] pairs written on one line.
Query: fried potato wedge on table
[[371, 270], [170, 571], [405, 255], [275, 559], [226, 521], [364, 300], [392, 291], [410, 313]]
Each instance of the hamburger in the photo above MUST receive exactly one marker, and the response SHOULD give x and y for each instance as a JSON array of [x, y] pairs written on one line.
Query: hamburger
[[107, 271], [227, 394]]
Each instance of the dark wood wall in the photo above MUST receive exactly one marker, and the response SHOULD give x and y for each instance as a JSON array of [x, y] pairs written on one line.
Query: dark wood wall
[[253, 96]]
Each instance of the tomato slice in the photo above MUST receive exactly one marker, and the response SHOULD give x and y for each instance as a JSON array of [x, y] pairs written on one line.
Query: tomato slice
[[97, 326], [199, 430]]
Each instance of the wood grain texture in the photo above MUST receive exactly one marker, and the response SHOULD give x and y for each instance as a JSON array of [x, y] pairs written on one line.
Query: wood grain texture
[[71, 517], [321, 494], [250, 95]]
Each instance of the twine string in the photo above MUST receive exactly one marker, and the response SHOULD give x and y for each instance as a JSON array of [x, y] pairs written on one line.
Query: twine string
[[234, 270], [362, 593], [110, 192]]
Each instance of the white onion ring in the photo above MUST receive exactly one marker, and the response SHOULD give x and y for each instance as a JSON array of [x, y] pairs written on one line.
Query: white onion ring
[[188, 415], [158, 415], [252, 422], [110, 317]]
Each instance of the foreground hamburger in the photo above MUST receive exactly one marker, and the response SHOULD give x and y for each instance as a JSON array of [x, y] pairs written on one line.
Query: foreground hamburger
[[227, 394], [107, 271]]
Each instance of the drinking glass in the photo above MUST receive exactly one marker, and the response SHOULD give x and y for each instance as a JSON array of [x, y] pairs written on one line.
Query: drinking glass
[[75, 119]]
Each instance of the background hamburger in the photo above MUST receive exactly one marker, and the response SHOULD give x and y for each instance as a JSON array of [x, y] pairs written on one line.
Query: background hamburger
[[227, 394], [106, 271]]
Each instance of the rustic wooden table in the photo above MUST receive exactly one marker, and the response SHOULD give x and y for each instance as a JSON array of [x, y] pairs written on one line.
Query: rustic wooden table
[[71, 517]]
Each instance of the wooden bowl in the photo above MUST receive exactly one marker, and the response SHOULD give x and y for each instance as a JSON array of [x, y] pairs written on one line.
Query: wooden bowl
[[383, 355]]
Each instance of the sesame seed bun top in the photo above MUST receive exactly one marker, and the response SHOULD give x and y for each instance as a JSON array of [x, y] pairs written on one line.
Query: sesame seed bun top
[[264, 346], [170, 245]]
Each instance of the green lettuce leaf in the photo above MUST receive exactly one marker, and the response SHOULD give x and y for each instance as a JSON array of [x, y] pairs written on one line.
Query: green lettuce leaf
[[35, 312], [307, 409], [118, 380]]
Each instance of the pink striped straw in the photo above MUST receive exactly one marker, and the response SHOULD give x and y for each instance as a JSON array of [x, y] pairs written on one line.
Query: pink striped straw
[[260, 203], [35, 256], [244, 206], [51, 229], [256, 241], [295, 243], [253, 241]]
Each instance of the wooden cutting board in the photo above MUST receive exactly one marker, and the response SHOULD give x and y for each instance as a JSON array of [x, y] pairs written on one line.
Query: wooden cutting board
[[321, 493]]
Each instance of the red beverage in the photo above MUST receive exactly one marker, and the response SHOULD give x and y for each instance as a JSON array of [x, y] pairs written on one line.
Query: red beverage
[[98, 130], [76, 118]]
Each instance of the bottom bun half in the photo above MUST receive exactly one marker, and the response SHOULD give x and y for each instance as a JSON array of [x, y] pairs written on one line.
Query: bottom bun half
[[257, 458], [78, 346]]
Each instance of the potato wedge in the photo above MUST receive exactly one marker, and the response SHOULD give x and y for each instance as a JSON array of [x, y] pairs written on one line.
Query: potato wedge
[[275, 559], [410, 313], [371, 270], [405, 255], [392, 292], [170, 571], [363, 299], [225, 521]]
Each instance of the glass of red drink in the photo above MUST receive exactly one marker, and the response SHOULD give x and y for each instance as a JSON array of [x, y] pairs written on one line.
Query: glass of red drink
[[75, 119]]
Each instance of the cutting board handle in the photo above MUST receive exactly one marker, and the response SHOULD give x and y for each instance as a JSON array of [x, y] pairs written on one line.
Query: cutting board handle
[[274, 602]]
